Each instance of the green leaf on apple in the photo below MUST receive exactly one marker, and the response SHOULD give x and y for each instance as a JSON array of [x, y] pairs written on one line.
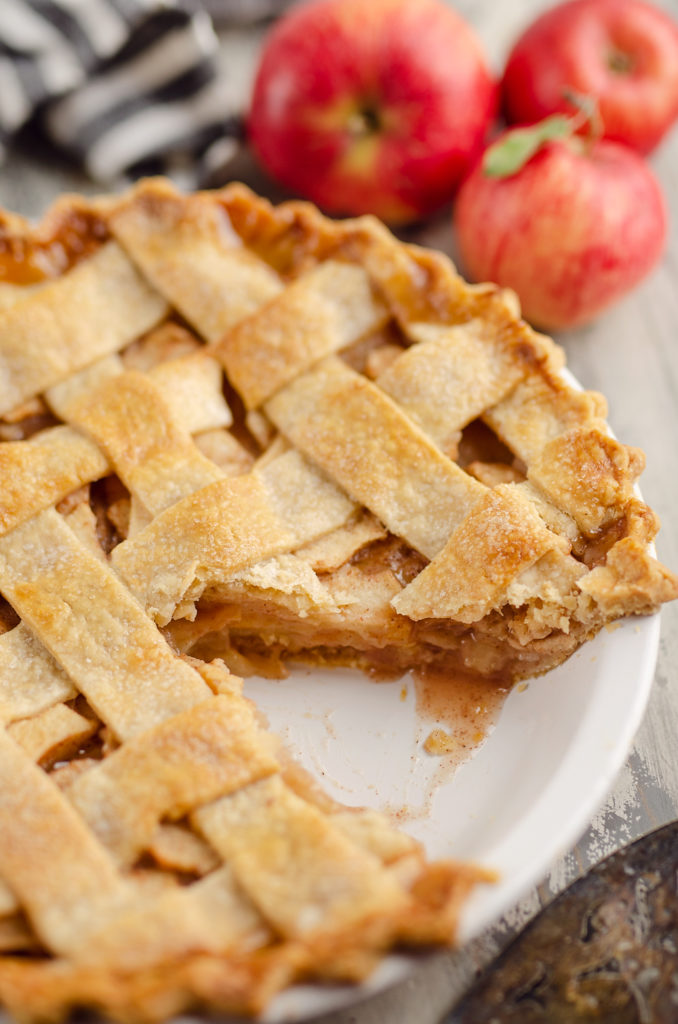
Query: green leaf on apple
[[512, 151]]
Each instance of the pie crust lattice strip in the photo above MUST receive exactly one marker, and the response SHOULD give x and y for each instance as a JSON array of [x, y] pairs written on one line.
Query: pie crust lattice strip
[[232, 435]]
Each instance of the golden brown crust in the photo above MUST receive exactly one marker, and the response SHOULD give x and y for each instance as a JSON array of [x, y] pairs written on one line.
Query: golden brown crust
[[500, 538], [350, 428], [96, 309]]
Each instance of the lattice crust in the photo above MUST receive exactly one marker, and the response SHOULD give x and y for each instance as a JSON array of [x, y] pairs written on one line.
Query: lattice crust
[[268, 434], [67, 325]]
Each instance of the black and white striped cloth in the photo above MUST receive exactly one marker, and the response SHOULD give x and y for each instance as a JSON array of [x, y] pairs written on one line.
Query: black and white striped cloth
[[123, 86]]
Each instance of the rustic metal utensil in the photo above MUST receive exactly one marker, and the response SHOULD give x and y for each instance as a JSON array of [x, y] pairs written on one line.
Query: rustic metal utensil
[[605, 950]]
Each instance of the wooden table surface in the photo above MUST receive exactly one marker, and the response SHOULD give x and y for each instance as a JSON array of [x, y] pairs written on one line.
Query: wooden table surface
[[631, 354]]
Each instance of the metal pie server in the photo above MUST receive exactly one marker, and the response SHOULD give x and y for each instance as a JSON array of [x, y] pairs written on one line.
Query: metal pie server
[[605, 950]]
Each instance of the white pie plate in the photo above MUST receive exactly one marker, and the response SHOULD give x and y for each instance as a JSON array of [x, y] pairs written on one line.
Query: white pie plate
[[522, 800]]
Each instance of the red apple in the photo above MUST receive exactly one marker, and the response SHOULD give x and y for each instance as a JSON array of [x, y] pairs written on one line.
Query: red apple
[[571, 231], [371, 106], [624, 53]]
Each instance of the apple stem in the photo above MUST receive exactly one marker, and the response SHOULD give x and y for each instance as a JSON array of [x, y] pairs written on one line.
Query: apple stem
[[619, 62], [587, 113], [365, 121]]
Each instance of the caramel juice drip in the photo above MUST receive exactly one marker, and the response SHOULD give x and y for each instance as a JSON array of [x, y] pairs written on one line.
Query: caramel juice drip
[[463, 710], [27, 259]]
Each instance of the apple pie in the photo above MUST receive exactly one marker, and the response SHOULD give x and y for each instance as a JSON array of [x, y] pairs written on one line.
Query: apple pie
[[234, 436]]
